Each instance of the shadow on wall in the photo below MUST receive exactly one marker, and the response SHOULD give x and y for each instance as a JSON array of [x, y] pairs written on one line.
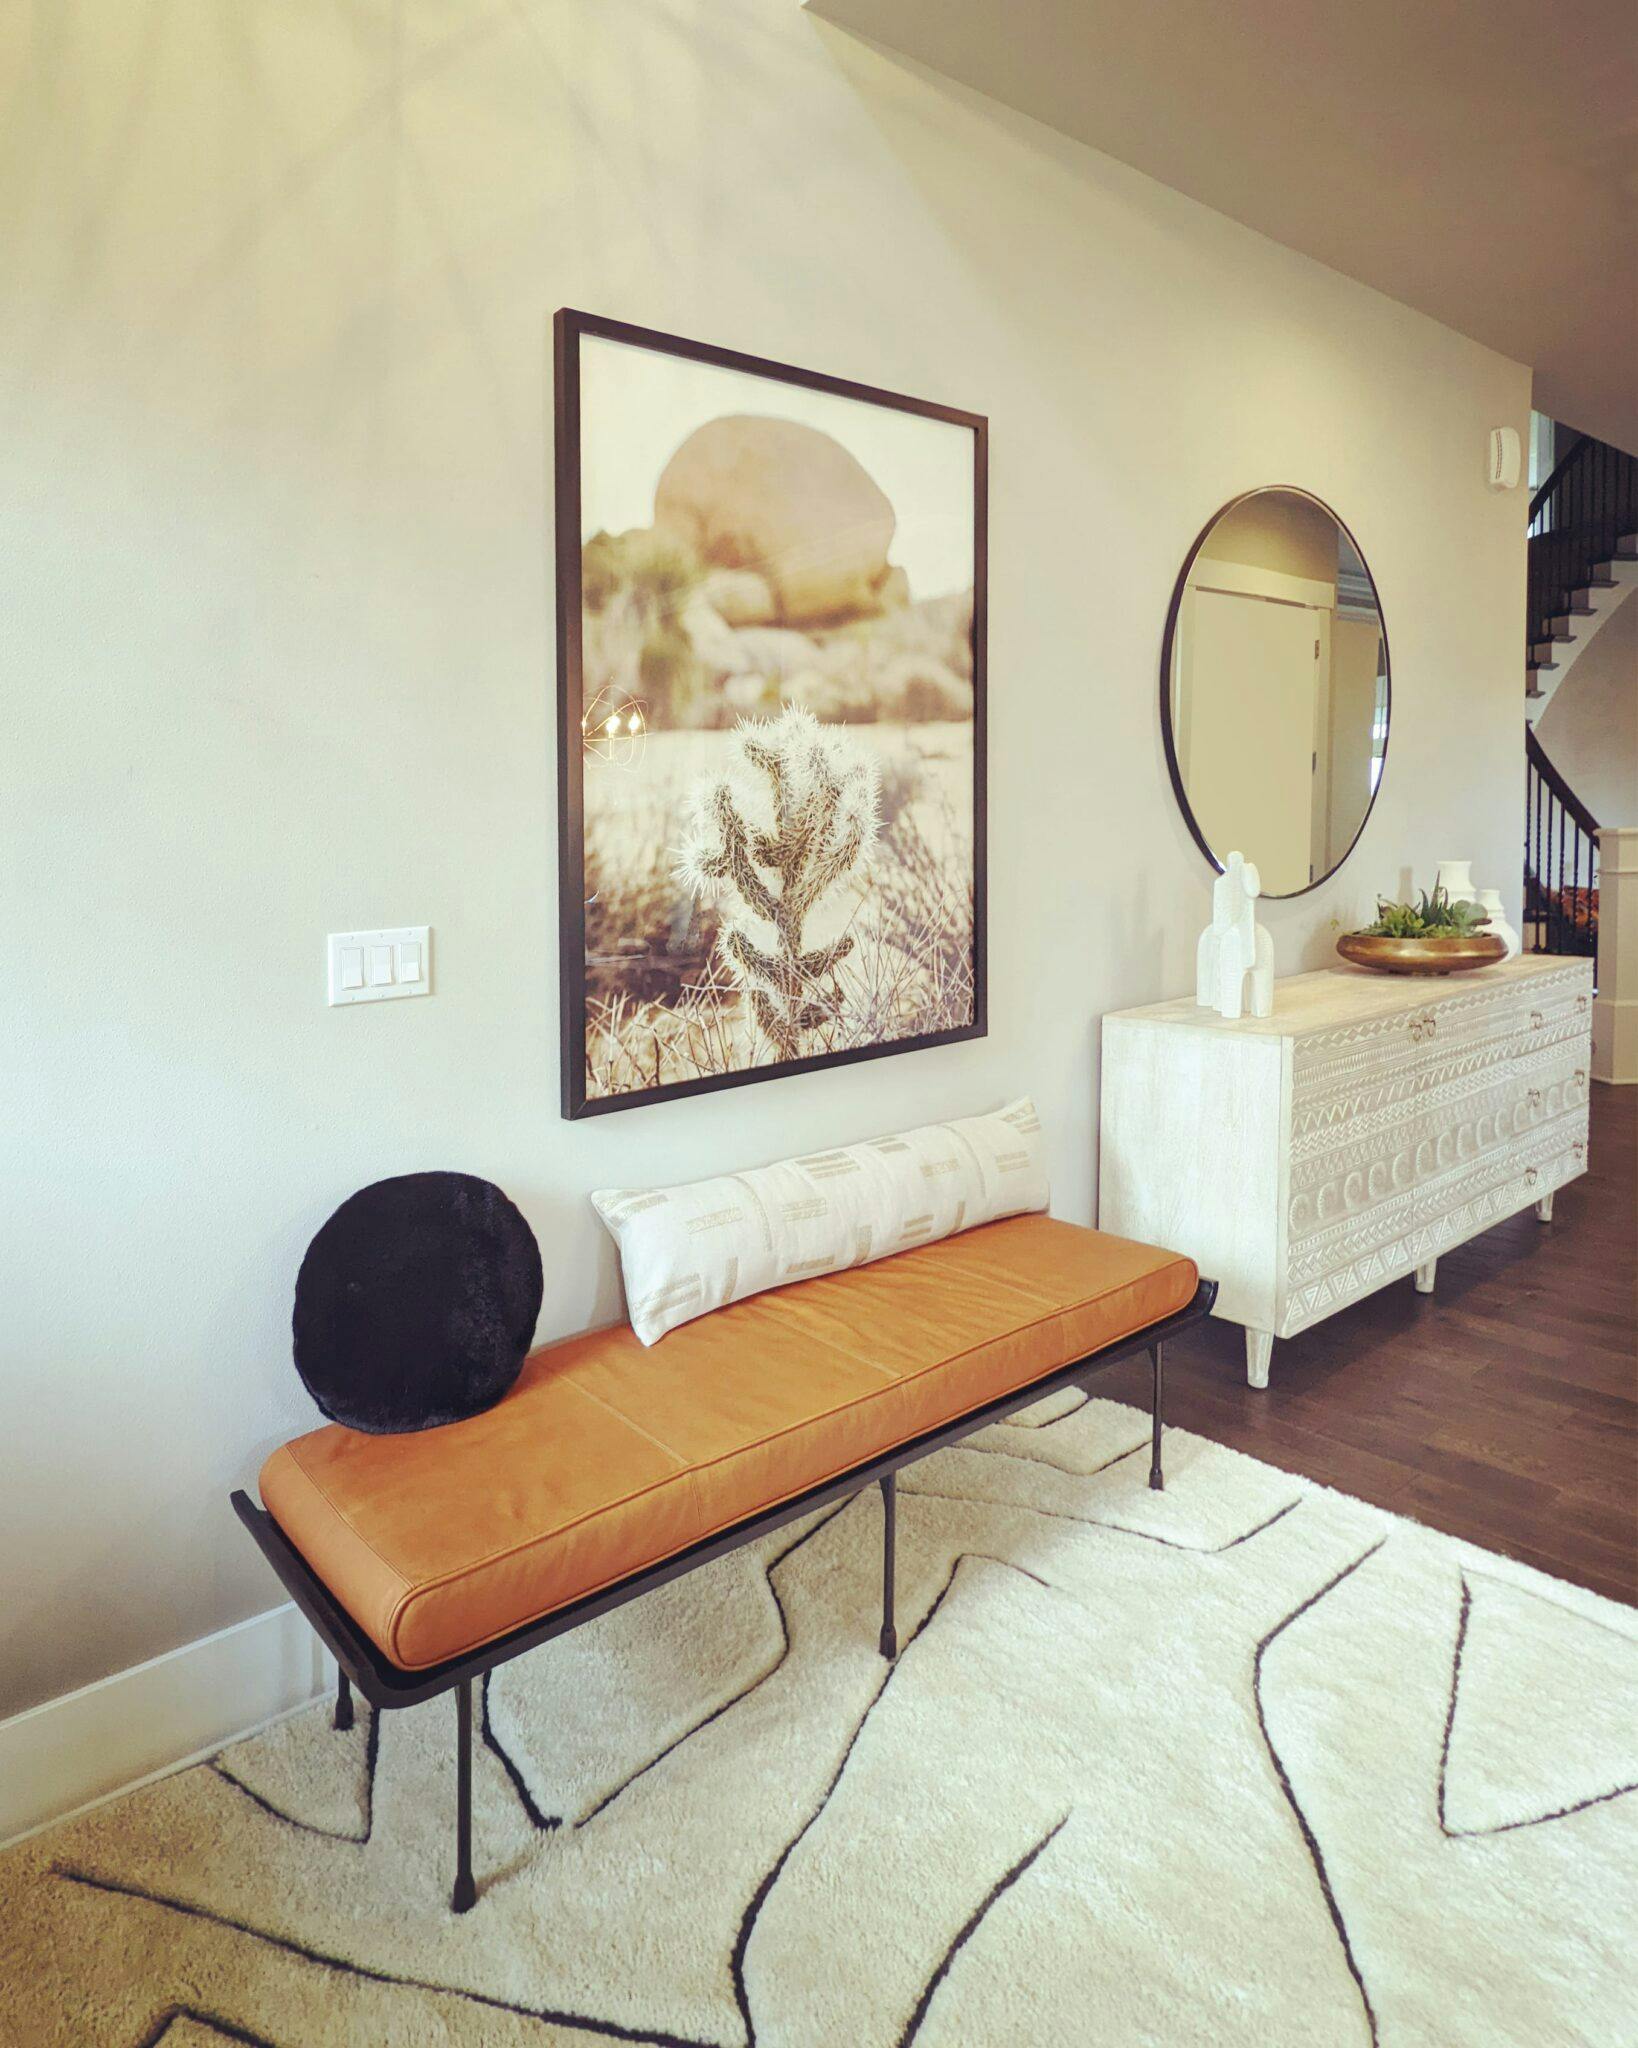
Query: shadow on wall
[[1590, 728]]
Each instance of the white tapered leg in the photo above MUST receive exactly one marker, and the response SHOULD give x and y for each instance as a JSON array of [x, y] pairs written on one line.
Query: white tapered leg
[[1544, 1208], [1424, 1275], [1259, 1349]]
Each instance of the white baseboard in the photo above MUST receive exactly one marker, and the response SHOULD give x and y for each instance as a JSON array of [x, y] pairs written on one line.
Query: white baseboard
[[71, 1753]]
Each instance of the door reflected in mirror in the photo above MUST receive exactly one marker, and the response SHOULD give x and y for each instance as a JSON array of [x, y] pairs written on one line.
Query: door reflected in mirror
[[1275, 689]]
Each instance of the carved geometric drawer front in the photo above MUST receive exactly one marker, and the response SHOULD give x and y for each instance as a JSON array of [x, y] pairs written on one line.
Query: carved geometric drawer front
[[1400, 1146], [1440, 1168], [1325, 1278], [1343, 1073]]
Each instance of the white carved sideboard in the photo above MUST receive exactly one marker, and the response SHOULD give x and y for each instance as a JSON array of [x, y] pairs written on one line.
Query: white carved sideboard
[[1373, 1121]]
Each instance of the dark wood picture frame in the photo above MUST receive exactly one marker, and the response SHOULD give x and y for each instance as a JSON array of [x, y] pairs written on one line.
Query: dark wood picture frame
[[1168, 641], [569, 327]]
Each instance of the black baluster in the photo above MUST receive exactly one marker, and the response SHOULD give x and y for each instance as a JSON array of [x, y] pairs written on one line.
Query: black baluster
[[1606, 479], [1552, 891], [1575, 889], [1615, 466], [1526, 828], [1583, 896], [1583, 891], [1546, 867], [1582, 514]]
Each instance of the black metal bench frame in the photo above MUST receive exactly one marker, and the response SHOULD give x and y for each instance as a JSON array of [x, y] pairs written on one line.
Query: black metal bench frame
[[386, 1685]]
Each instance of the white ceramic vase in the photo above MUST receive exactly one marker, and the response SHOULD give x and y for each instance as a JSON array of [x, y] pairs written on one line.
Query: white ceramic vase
[[1489, 901], [1455, 877]]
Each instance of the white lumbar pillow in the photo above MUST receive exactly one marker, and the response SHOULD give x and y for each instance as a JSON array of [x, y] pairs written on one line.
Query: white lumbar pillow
[[687, 1250]]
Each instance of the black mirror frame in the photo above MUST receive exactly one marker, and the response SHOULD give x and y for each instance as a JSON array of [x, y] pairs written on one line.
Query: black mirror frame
[[1172, 611]]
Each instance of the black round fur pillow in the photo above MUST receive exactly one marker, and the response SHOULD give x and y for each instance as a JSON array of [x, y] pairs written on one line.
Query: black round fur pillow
[[416, 1302]]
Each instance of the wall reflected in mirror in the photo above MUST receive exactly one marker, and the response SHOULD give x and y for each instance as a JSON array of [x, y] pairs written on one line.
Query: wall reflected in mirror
[[1275, 689]]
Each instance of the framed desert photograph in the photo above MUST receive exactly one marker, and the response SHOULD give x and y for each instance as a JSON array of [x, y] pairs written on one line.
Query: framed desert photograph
[[771, 717]]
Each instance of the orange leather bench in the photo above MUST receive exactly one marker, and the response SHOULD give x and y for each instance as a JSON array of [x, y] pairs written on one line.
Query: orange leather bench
[[423, 1560]]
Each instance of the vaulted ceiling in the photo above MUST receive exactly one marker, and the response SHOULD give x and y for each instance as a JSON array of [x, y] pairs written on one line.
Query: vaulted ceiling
[[1475, 159]]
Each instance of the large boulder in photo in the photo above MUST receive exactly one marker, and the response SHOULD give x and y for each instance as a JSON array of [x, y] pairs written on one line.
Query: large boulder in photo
[[788, 504]]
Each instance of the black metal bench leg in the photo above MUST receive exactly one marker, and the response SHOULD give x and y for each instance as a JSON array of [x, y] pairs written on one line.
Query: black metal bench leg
[[890, 1500], [1157, 1478], [344, 1700], [465, 1895]]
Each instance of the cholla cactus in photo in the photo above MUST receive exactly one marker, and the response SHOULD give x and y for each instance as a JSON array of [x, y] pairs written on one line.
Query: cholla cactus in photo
[[769, 843]]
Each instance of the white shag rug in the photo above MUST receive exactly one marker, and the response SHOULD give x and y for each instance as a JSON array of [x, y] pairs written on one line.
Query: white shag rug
[[1246, 1763]]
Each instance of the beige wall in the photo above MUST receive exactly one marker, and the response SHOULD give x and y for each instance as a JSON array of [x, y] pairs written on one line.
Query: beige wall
[[1590, 729], [275, 290], [1275, 531]]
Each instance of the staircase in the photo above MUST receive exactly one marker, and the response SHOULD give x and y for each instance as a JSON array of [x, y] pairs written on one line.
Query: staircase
[[1560, 860], [1583, 559]]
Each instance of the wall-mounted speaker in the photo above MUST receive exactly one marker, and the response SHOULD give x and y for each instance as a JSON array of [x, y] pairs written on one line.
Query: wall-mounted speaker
[[1504, 458]]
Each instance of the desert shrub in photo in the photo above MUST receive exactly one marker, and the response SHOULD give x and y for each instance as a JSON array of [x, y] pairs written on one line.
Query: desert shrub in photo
[[664, 1005], [770, 857]]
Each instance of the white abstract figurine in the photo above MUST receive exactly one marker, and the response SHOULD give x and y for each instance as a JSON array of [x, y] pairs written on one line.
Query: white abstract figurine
[[1235, 945]]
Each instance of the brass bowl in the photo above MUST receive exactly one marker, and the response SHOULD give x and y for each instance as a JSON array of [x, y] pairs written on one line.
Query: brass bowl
[[1422, 956]]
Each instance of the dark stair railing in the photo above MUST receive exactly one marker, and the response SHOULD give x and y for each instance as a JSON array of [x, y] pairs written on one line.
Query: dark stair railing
[[1560, 860], [1583, 519]]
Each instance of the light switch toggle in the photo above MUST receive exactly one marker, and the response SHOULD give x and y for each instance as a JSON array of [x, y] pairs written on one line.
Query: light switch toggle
[[374, 967]]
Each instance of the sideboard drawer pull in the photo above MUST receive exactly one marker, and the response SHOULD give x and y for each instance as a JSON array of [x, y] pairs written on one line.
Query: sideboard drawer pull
[[1581, 1002], [1536, 1020], [1581, 1077], [1529, 1176], [1535, 1098]]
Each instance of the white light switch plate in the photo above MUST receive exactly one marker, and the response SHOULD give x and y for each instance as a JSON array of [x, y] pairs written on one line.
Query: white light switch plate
[[373, 967]]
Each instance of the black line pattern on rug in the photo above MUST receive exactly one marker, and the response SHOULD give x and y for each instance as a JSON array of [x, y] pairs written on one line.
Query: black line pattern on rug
[[372, 1747], [200, 2018], [745, 1692], [547, 1821], [970, 1927], [1119, 1528], [1012, 1422], [611, 2030], [747, 1925], [544, 1822], [1535, 1820], [1071, 1472], [1315, 1854]]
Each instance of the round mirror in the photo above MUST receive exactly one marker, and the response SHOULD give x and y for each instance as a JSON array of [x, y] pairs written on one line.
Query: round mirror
[[1274, 689]]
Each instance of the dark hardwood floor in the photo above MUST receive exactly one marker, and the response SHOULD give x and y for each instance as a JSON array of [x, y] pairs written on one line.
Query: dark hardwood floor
[[1503, 1408]]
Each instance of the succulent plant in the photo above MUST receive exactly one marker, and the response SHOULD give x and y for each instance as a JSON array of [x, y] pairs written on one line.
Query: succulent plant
[[768, 843], [1430, 917]]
